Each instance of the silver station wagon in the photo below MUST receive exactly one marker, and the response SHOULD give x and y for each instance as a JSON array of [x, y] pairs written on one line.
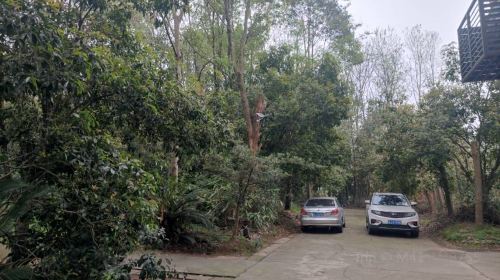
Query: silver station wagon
[[322, 212]]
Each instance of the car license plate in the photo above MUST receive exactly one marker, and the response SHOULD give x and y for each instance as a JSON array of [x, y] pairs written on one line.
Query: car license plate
[[394, 222], [315, 214]]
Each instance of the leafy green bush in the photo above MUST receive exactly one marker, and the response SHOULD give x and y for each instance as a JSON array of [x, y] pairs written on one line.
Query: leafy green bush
[[241, 185], [15, 198], [182, 212], [94, 215], [150, 268], [262, 208]]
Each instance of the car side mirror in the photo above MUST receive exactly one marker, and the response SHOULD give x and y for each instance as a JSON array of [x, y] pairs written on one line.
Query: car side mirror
[[413, 203], [367, 202]]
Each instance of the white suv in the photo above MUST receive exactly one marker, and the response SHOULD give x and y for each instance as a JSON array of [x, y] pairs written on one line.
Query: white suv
[[393, 212]]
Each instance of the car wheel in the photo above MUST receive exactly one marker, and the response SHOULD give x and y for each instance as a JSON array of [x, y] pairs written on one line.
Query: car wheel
[[343, 224], [370, 230], [414, 234], [340, 229], [303, 228]]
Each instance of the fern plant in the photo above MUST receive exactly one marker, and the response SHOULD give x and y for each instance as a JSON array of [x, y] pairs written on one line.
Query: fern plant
[[182, 214], [15, 199]]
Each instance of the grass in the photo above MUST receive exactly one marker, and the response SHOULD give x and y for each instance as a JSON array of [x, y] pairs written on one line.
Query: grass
[[473, 236]]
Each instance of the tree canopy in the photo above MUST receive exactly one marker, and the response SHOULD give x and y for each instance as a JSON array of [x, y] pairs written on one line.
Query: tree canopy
[[129, 122]]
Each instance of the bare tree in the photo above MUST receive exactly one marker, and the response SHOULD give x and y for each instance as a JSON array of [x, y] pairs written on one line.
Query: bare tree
[[422, 47], [388, 66], [361, 76]]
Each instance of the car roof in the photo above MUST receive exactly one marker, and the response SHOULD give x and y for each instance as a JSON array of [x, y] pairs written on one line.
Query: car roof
[[387, 193]]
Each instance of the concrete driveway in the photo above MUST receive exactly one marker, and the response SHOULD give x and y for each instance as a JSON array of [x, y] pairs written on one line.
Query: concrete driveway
[[356, 255]]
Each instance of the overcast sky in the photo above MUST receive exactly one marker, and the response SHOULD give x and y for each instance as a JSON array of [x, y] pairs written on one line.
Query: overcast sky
[[442, 16]]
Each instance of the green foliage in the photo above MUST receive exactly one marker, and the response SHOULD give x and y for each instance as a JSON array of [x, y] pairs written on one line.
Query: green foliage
[[15, 198], [426, 146], [240, 180], [305, 112], [150, 267], [181, 204], [16, 273], [95, 213], [89, 105], [473, 236]]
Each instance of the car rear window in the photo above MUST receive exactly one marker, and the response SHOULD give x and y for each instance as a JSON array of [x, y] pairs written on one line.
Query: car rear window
[[321, 202], [390, 200]]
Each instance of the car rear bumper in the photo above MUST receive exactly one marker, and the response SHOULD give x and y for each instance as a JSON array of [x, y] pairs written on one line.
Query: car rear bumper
[[324, 221]]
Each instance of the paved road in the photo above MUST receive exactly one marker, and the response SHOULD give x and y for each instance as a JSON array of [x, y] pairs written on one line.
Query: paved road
[[356, 255]]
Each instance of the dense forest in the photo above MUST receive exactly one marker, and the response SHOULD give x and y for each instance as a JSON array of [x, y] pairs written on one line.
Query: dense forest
[[129, 120]]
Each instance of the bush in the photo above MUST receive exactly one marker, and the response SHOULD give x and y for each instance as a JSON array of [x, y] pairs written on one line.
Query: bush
[[93, 216], [242, 183], [150, 268], [182, 214]]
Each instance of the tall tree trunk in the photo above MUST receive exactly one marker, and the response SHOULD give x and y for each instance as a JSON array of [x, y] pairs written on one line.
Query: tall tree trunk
[[354, 192], [288, 196], [4, 142], [438, 202], [310, 190], [260, 106], [228, 16], [251, 119], [479, 215], [242, 192], [174, 167], [430, 200], [442, 197], [236, 226], [444, 182], [214, 54], [178, 15]]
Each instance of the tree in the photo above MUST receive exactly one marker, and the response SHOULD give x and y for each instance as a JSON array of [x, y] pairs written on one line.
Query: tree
[[422, 47], [305, 112], [321, 26], [389, 67], [470, 112], [248, 29], [246, 175], [98, 116]]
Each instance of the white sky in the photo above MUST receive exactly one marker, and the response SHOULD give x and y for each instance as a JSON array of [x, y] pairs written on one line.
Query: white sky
[[442, 16]]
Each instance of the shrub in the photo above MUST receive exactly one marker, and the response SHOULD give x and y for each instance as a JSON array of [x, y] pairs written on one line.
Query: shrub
[[182, 214], [92, 218]]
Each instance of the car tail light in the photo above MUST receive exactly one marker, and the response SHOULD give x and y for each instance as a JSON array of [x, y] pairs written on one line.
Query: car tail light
[[303, 212], [335, 212]]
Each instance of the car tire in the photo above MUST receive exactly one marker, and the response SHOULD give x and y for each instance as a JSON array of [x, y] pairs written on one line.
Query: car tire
[[343, 223], [303, 228], [370, 230], [340, 229], [415, 234]]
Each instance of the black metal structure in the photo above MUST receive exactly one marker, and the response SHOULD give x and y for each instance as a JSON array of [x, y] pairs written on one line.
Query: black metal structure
[[479, 41]]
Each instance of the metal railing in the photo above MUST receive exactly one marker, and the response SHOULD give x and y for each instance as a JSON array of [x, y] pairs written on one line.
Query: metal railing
[[479, 41]]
